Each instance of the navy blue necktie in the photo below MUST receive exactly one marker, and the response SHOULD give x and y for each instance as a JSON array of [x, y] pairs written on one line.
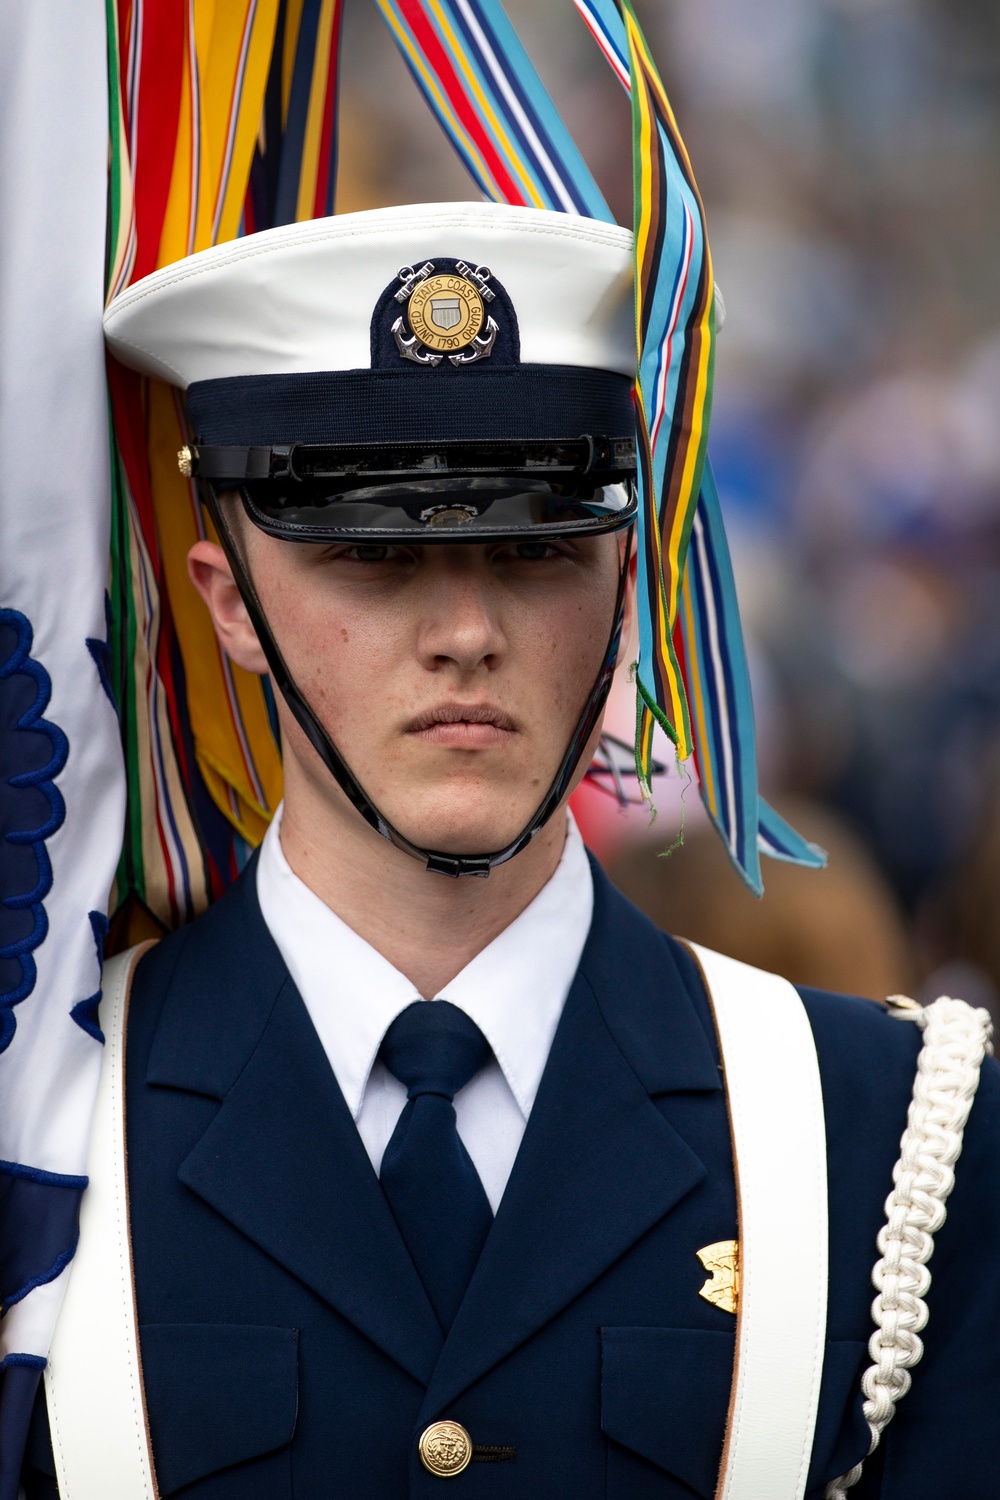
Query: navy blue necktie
[[427, 1175]]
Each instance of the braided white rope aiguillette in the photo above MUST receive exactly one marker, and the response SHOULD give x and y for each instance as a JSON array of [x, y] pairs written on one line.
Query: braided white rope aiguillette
[[956, 1039]]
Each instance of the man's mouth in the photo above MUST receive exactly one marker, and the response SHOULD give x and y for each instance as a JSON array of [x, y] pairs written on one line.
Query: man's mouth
[[463, 726]]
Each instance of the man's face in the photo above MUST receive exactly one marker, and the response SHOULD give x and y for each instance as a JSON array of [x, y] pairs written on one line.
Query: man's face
[[450, 677]]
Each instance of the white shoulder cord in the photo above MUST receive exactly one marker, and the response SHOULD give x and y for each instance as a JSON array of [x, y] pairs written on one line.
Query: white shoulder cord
[[956, 1039]]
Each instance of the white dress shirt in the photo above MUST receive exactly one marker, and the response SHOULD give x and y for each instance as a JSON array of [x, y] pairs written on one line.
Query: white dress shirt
[[514, 990]]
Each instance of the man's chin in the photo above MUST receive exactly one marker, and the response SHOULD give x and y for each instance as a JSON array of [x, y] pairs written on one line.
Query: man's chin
[[457, 828]]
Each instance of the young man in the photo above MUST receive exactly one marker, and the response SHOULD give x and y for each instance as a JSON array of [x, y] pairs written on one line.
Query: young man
[[379, 1242]]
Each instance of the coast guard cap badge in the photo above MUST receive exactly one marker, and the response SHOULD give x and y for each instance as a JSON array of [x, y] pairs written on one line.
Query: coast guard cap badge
[[446, 314]]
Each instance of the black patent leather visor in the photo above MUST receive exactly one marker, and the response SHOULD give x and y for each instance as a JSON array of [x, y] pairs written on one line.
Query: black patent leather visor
[[433, 491], [471, 508]]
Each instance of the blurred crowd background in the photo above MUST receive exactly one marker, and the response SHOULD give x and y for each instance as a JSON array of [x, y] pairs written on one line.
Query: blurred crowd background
[[849, 155]]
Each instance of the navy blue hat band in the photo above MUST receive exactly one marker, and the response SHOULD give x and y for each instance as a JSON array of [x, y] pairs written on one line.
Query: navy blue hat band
[[389, 406]]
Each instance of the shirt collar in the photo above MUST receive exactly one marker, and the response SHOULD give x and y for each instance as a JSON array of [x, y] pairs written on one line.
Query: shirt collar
[[514, 990]]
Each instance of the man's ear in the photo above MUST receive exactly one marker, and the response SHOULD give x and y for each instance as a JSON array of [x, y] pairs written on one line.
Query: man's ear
[[212, 576], [630, 587]]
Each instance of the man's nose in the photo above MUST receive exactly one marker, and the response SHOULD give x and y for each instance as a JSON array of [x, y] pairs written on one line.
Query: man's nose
[[460, 622]]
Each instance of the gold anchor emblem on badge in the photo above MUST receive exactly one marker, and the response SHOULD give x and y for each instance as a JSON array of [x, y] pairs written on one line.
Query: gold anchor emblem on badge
[[722, 1260]]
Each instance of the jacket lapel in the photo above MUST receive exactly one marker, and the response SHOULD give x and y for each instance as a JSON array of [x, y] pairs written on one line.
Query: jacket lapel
[[282, 1159], [599, 1165]]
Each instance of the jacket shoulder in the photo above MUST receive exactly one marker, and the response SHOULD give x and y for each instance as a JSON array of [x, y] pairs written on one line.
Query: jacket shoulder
[[859, 1036], [204, 989]]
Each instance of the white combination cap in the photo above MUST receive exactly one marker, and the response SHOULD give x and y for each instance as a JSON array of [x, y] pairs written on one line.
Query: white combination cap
[[332, 353], [300, 298], [433, 321]]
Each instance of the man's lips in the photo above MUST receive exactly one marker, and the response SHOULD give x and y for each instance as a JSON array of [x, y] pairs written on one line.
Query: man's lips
[[463, 726]]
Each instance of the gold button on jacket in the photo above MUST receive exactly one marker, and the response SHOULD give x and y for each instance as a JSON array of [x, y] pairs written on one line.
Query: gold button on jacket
[[445, 1449]]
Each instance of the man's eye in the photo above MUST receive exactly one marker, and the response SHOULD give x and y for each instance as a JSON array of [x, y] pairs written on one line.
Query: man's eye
[[534, 551], [367, 552]]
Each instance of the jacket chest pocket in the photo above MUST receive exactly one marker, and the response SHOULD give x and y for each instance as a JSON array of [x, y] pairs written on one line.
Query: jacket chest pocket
[[664, 1399], [664, 1402], [222, 1401]]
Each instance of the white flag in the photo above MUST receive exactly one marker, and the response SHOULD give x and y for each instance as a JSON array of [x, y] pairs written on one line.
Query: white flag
[[62, 786]]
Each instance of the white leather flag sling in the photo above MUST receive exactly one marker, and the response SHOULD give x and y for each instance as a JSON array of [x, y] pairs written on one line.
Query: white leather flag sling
[[779, 1155], [93, 1382]]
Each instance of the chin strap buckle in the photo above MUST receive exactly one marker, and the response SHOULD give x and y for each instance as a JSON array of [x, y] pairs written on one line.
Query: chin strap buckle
[[282, 461], [599, 453], [459, 864]]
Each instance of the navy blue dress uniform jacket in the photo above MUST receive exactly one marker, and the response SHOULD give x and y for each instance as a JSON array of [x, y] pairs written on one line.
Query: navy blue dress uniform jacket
[[288, 1347]]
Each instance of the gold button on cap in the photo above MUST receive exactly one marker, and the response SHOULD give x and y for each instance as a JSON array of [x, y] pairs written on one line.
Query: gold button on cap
[[445, 1449]]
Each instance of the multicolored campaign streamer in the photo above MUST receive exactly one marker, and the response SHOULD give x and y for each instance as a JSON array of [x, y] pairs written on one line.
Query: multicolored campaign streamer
[[709, 643], [470, 66], [675, 326], [223, 122], [692, 673]]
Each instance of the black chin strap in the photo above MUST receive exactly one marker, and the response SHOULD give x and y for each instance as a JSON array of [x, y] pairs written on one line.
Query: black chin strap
[[443, 864]]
